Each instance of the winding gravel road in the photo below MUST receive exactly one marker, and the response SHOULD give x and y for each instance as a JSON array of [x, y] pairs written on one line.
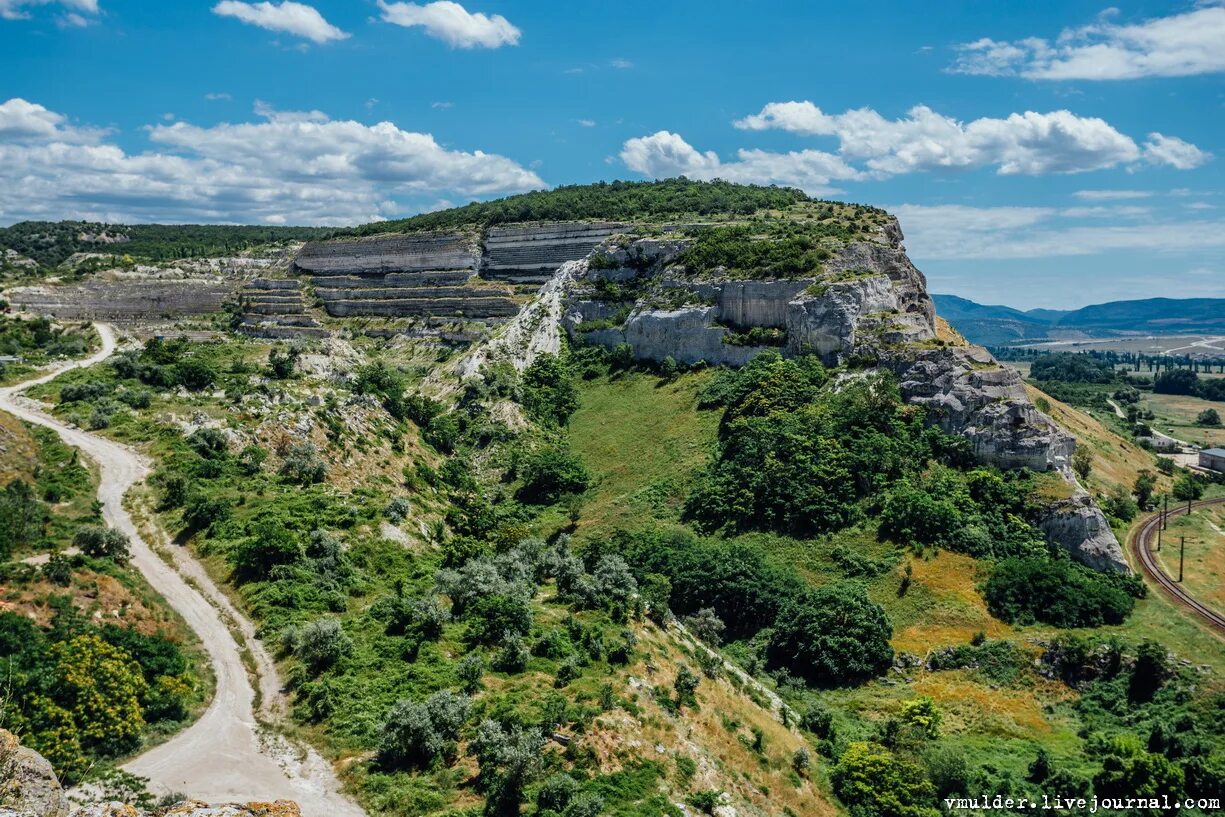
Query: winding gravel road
[[225, 756]]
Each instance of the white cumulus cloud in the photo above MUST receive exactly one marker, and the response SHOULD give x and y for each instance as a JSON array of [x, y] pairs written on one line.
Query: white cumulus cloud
[[285, 168], [1023, 143], [289, 17], [955, 232], [453, 24], [665, 154], [1172, 151], [1179, 45]]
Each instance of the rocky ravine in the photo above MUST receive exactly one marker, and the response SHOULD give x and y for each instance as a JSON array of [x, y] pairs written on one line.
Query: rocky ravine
[[225, 755], [868, 306]]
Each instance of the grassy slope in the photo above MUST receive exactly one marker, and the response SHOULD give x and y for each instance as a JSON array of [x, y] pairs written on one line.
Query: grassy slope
[[637, 434]]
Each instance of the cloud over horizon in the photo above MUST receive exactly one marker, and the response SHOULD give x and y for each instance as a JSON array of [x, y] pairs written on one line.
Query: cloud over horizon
[[290, 167], [1027, 143]]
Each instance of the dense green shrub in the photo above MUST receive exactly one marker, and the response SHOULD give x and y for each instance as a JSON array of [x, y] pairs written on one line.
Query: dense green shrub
[[22, 517], [802, 460], [1059, 592], [416, 734], [549, 473], [832, 636], [549, 395], [883, 784], [619, 200], [102, 542]]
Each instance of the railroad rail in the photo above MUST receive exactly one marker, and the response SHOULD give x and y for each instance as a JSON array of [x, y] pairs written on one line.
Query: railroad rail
[[1141, 546]]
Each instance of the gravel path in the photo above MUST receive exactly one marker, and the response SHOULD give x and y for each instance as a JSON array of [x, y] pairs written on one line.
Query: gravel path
[[225, 756]]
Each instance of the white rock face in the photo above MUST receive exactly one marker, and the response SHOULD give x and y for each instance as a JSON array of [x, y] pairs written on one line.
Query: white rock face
[[1078, 526]]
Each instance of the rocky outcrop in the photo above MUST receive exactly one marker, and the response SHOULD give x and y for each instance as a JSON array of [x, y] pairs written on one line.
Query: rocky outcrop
[[869, 307], [968, 393], [29, 788], [28, 784], [867, 296], [418, 276], [1079, 526]]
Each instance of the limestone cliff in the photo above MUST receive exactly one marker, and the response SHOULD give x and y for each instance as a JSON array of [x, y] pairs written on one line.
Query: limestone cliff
[[867, 306]]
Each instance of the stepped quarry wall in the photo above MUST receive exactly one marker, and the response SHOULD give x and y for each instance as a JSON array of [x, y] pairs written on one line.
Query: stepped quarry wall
[[530, 253], [126, 300]]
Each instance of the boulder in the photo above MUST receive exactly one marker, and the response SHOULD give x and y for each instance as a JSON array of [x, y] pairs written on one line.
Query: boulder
[[28, 784]]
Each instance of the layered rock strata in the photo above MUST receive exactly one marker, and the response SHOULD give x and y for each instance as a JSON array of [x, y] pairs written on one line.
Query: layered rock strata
[[276, 308], [125, 301]]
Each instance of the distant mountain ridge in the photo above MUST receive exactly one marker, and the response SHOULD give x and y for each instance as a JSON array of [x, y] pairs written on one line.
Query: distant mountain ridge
[[1000, 325]]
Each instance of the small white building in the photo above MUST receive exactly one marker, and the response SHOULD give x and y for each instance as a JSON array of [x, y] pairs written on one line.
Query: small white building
[[1213, 459]]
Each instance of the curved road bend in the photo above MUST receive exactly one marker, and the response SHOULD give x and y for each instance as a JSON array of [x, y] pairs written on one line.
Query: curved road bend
[[1142, 544], [224, 756]]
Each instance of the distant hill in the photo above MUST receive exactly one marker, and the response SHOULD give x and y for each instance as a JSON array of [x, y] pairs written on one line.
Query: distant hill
[[989, 325], [1002, 325]]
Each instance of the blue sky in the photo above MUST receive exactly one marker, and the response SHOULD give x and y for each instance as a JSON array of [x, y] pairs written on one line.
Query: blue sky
[[1038, 153]]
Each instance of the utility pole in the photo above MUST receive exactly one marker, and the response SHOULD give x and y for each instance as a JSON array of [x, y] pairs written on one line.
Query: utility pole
[[1182, 541], [1160, 528], [1165, 515]]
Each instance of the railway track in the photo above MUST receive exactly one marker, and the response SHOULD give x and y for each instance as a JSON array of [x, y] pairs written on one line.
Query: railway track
[[1142, 546]]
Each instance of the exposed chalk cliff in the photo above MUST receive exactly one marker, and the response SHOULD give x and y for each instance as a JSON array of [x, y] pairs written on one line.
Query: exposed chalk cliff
[[867, 306]]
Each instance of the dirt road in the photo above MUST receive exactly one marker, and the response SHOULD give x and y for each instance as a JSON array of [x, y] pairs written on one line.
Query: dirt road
[[225, 756]]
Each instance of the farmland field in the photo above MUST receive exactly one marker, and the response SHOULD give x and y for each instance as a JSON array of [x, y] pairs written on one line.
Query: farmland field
[[1176, 415]]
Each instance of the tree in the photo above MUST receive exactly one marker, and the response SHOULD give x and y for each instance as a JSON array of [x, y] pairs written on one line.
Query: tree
[[268, 543], [303, 464], [1151, 670], [509, 758], [281, 364], [833, 635], [1176, 381], [870, 776], [417, 733], [321, 644], [549, 473], [194, 374], [1059, 592], [101, 542], [1129, 771], [470, 671], [1144, 486], [22, 517], [1187, 488], [1082, 462], [707, 626], [1208, 417], [686, 686], [548, 393], [202, 512], [923, 715], [102, 687]]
